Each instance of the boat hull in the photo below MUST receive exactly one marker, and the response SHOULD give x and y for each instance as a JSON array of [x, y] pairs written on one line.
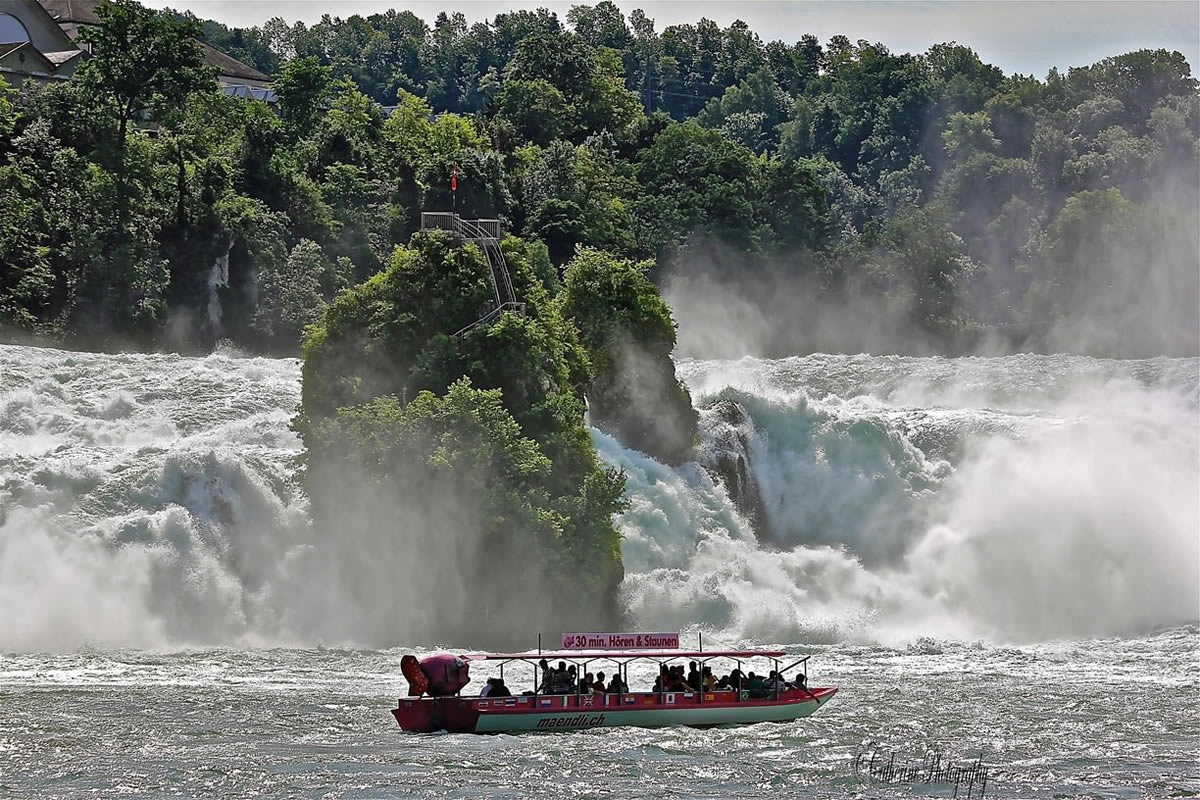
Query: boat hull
[[562, 713]]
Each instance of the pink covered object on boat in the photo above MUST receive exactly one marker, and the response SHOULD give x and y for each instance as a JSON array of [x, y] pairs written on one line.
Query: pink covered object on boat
[[447, 674]]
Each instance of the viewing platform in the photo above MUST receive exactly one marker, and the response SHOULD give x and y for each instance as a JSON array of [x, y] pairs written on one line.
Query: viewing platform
[[485, 234], [463, 228]]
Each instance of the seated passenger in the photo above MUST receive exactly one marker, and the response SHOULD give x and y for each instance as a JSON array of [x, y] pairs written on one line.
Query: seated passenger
[[662, 681], [678, 684]]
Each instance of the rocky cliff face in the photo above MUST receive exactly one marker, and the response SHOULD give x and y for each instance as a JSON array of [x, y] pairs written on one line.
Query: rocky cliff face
[[726, 430]]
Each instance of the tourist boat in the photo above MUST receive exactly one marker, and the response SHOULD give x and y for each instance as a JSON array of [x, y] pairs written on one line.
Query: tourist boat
[[446, 674]]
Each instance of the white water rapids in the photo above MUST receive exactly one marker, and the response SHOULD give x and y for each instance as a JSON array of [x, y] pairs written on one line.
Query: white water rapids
[[151, 500], [994, 558]]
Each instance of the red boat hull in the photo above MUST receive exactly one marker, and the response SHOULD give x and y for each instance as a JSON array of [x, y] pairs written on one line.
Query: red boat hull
[[575, 712]]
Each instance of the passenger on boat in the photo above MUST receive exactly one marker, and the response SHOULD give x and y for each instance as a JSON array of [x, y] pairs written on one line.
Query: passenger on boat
[[678, 684], [495, 688], [563, 679], [663, 680]]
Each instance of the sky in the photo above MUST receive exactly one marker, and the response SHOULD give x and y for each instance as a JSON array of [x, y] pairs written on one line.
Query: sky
[[1024, 37]]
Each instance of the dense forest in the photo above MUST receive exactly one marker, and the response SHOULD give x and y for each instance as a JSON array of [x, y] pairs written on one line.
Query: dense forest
[[836, 195]]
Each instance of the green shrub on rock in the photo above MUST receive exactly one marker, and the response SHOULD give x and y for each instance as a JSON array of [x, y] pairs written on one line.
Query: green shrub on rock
[[460, 463], [628, 333]]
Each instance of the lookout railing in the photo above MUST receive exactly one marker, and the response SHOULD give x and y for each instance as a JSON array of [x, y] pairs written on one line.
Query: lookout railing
[[485, 234]]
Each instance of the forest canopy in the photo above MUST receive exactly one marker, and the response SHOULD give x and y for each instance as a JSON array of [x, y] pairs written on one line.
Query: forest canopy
[[838, 195]]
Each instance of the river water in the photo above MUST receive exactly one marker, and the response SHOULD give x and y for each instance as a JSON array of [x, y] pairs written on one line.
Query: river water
[[991, 557]]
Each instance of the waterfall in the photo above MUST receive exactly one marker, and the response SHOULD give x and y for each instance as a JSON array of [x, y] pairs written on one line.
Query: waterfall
[[218, 277], [152, 500]]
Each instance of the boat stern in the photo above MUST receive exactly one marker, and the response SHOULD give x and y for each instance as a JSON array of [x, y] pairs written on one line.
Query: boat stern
[[429, 714]]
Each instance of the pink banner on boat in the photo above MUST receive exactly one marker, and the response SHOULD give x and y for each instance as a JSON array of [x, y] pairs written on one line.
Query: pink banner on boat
[[620, 641]]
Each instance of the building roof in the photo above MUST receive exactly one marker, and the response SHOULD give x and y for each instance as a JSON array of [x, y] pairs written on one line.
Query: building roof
[[62, 56], [83, 12], [230, 66], [251, 93], [79, 11], [27, 50]]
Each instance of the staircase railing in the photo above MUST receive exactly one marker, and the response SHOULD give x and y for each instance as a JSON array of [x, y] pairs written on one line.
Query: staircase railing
[[486, 234]]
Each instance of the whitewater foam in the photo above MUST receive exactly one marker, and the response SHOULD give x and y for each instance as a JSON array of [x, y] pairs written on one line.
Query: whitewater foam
[[901, 511], [152, 500]]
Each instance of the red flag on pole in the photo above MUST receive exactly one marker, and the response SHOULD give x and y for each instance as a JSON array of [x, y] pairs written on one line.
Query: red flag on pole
[[454, 178]]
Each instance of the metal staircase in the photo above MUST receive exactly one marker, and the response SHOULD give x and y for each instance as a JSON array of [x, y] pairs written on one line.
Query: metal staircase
[[484, 234]]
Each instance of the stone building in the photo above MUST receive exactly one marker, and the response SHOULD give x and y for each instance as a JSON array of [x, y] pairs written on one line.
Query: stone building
[[39, 40], [33, 46], [74, 15]]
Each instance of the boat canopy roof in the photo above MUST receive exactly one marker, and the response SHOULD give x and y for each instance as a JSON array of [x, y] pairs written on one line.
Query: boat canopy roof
[[653, 655]]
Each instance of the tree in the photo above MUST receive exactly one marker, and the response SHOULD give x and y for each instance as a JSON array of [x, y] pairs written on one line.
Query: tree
[[923, 265], [536, 109], [142, 59], [290, 295], [303, 87], [628, 333], [602, 25], [448, 497], [696, 180], [759, 95]]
